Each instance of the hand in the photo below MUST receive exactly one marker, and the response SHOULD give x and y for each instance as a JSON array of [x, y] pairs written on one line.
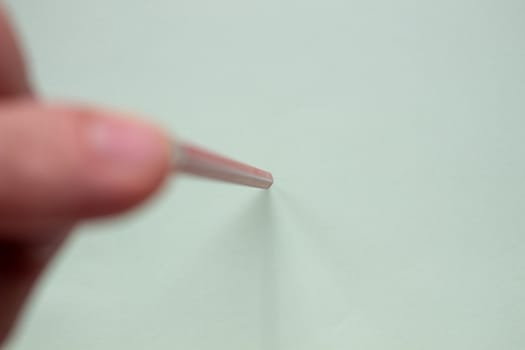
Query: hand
[[60, 164]]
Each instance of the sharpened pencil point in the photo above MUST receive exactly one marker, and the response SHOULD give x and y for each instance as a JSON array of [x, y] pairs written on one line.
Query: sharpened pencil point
[[197, 161]]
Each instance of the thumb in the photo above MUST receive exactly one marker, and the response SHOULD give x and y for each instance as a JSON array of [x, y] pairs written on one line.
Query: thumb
[[62, 163]]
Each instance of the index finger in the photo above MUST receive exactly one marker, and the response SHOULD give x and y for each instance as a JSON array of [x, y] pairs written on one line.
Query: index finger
[[13, 74]]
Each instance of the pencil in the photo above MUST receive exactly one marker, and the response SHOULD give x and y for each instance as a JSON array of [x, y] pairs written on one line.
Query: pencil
[[191, 159]]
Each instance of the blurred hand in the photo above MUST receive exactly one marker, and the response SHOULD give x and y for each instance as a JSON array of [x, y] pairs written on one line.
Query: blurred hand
[[60, 164]]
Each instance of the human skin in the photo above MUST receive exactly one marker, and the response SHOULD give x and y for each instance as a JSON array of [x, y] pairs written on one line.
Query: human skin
[[60, 164]]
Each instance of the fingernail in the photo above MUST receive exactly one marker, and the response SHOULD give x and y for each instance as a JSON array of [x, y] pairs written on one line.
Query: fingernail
[[125, 142]]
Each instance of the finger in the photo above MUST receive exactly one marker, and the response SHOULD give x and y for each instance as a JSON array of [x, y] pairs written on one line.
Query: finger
[[65, 163], [13, 77], [20, 266]]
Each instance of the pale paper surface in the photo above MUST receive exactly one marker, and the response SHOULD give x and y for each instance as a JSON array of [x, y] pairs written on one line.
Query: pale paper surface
[[396, 134]]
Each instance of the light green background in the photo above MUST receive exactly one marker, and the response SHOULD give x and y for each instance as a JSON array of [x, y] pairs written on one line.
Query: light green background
[[396, 134]]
